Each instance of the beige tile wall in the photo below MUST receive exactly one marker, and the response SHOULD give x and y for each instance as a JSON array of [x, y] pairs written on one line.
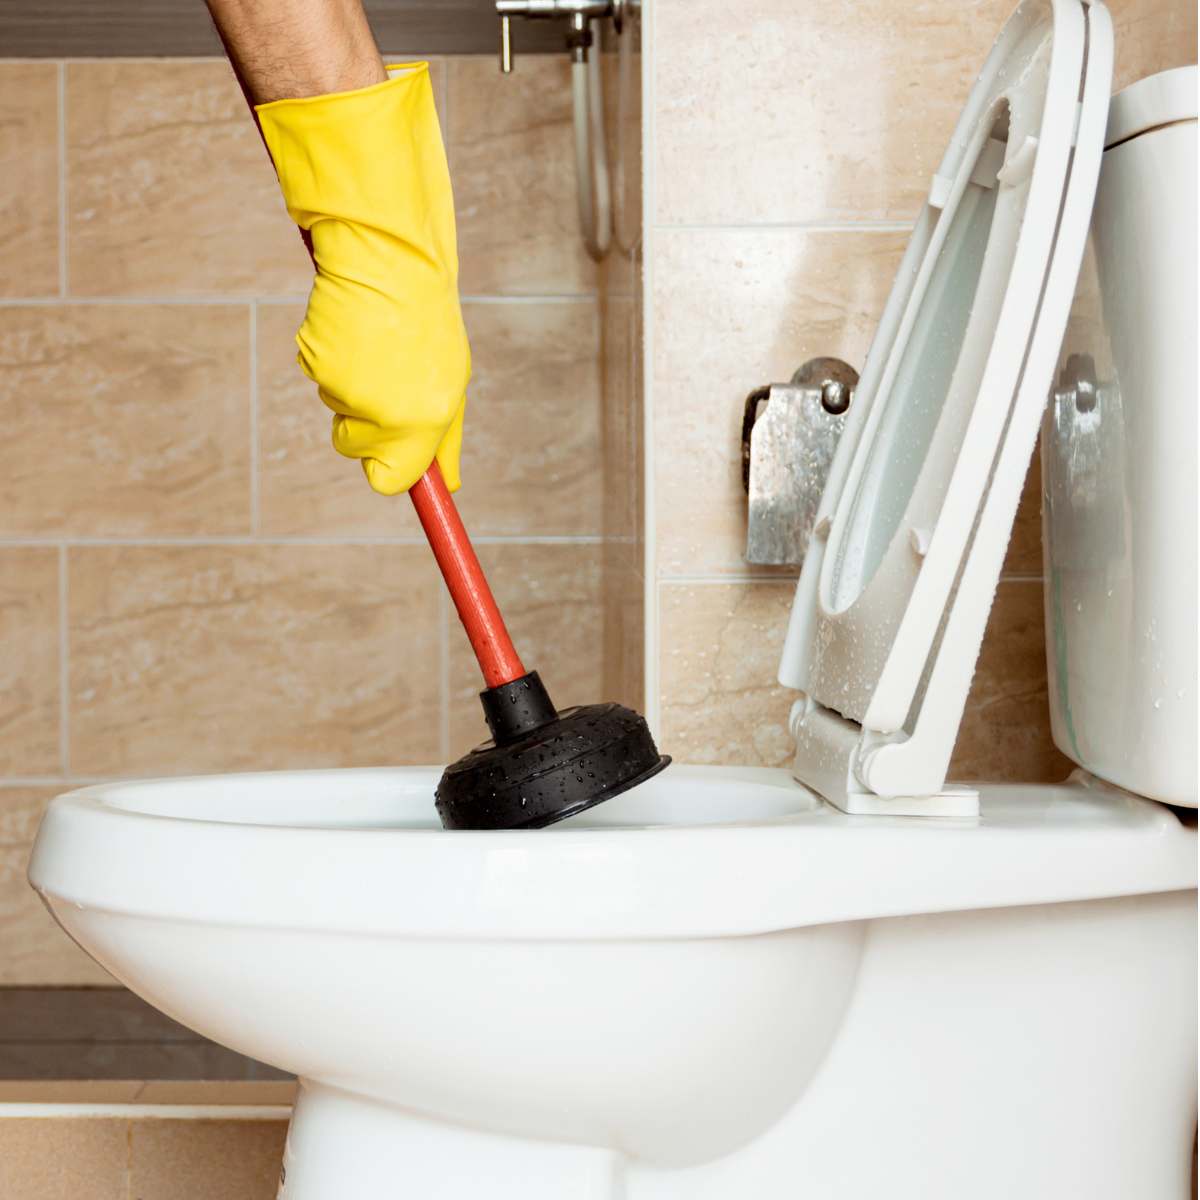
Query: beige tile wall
[[787, 153], [190, 578]]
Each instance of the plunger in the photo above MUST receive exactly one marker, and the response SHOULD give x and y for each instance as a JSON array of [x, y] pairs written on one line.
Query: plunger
[[541, 765]]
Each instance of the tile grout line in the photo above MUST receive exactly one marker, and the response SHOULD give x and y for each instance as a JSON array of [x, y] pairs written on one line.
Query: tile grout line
[[867, 225], [651, 697], [64, 666], [255, 518], [61, 136], [582, 539], [65, 780], [235, 299]]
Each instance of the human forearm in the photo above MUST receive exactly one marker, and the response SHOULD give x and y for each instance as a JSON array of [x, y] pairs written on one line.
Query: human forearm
[[284, 49]]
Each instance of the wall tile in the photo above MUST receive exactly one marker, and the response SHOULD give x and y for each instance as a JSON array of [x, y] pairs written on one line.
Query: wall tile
[[305, 486], [170, 192], [1152, 36], [28, 179], [55, 1159], [1024, 556], [808, 112], [531, 455], [237, 657], [36, 951], [624, 624], [511, 153], [29, 662], [216, 1160], [621, 423], [1005, 733], [124, 420], [735, 309], [720, 647], [551, 597], [531, 451], [719, 651]]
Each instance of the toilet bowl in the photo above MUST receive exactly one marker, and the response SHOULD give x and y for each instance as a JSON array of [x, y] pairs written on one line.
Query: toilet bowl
[[848, 979]]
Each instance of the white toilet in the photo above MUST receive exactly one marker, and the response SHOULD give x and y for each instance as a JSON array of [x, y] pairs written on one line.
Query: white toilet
[[846, 981]]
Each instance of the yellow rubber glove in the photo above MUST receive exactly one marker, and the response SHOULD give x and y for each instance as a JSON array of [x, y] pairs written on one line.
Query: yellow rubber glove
[[364, 173]]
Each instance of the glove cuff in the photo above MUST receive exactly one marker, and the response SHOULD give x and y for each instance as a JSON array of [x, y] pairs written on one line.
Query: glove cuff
[[373, 157]]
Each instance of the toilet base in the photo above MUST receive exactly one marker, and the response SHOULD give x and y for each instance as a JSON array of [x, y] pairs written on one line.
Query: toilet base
[[352, 1148]]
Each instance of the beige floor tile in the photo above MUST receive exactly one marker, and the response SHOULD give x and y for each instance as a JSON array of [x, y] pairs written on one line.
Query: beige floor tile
[[68, 1091], [170, 192], [719, 651], [29, 661], [1152, 36], [206, 1160], [531, 462], [512, 161], [1005, 732], [125, 420], [64, 1159], [735, 310], [217, 658], [305, 486], [551, 597], [33, 949], [270, 1092], [28, 179], [809, 112]]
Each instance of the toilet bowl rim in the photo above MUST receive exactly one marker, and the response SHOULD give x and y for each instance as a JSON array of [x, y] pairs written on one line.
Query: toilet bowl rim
[[592, 884]]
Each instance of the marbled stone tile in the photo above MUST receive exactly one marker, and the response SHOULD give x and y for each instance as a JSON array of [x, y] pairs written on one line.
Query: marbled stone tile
[[1151, 36], [552, 600], [35, 949], [531, 450], [29, 661], [48, 1158], [733, 310], [511, 152], [1024, 556], [305, 486], [813, 112], [720, 647], [209, 658], [531, 463], [1005, 732], [213, 1159], [28, 179], [125, 420], [718, 655], [624, 624], [621, 426], [170, 192]]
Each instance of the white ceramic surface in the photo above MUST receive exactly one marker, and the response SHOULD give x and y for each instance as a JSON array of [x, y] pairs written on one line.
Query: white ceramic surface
[[1120, 468], [627, 1005]]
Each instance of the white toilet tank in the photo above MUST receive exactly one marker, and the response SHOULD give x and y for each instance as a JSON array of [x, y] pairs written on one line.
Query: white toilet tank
[[1119, 462]]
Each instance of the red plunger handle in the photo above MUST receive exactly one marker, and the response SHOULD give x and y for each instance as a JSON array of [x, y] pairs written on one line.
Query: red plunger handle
[[465, 580]]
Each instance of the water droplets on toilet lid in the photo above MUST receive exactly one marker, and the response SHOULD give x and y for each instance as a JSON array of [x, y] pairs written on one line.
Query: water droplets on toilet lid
[[911, 532]]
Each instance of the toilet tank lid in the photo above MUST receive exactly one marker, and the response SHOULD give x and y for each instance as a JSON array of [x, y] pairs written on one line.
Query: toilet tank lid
[[1160, 99]]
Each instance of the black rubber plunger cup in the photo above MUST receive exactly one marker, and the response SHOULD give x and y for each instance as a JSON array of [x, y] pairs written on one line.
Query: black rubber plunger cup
[[541, 765]]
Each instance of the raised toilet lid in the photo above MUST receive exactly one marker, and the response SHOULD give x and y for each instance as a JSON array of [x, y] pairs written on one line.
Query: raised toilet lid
[[911, 532]]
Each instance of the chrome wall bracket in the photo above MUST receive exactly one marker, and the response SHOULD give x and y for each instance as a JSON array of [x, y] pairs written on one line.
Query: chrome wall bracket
[[789, 433]]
